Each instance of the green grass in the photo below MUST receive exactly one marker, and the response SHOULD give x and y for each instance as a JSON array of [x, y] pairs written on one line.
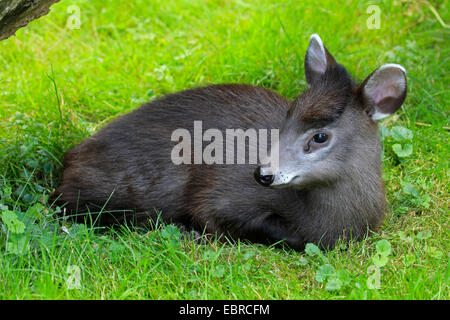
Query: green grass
[[59, 85]]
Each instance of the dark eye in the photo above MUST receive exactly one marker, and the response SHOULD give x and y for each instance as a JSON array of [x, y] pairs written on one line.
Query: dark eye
[[320, 137]]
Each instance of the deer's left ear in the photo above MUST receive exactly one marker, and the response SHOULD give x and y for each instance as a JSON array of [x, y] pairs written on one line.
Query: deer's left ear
[[384, 91]]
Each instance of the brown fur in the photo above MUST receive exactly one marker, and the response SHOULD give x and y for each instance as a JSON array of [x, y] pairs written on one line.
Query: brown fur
[[126, 169]]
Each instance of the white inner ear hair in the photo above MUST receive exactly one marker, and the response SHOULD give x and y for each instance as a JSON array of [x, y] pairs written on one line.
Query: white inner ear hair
[[317, 59], [387, 81]]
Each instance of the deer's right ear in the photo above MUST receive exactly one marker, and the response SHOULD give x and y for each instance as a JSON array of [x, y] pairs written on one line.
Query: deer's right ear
[[317, 60], [384, 91]]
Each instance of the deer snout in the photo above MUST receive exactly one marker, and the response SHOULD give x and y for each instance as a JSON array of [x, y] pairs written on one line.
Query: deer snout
[[263, 176]]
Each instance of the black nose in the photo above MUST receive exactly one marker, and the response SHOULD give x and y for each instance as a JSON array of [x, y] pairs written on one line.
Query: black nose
[[265, 180]]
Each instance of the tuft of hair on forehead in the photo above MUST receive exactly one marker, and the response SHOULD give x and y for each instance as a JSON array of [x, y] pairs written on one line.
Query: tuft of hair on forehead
[[326, 100]]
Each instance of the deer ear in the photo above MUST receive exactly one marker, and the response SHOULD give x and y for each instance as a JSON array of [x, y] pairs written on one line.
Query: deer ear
[[384, 91], [317, 60]]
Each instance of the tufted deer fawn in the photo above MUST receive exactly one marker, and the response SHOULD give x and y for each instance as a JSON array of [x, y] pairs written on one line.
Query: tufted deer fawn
[[326, 184]]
